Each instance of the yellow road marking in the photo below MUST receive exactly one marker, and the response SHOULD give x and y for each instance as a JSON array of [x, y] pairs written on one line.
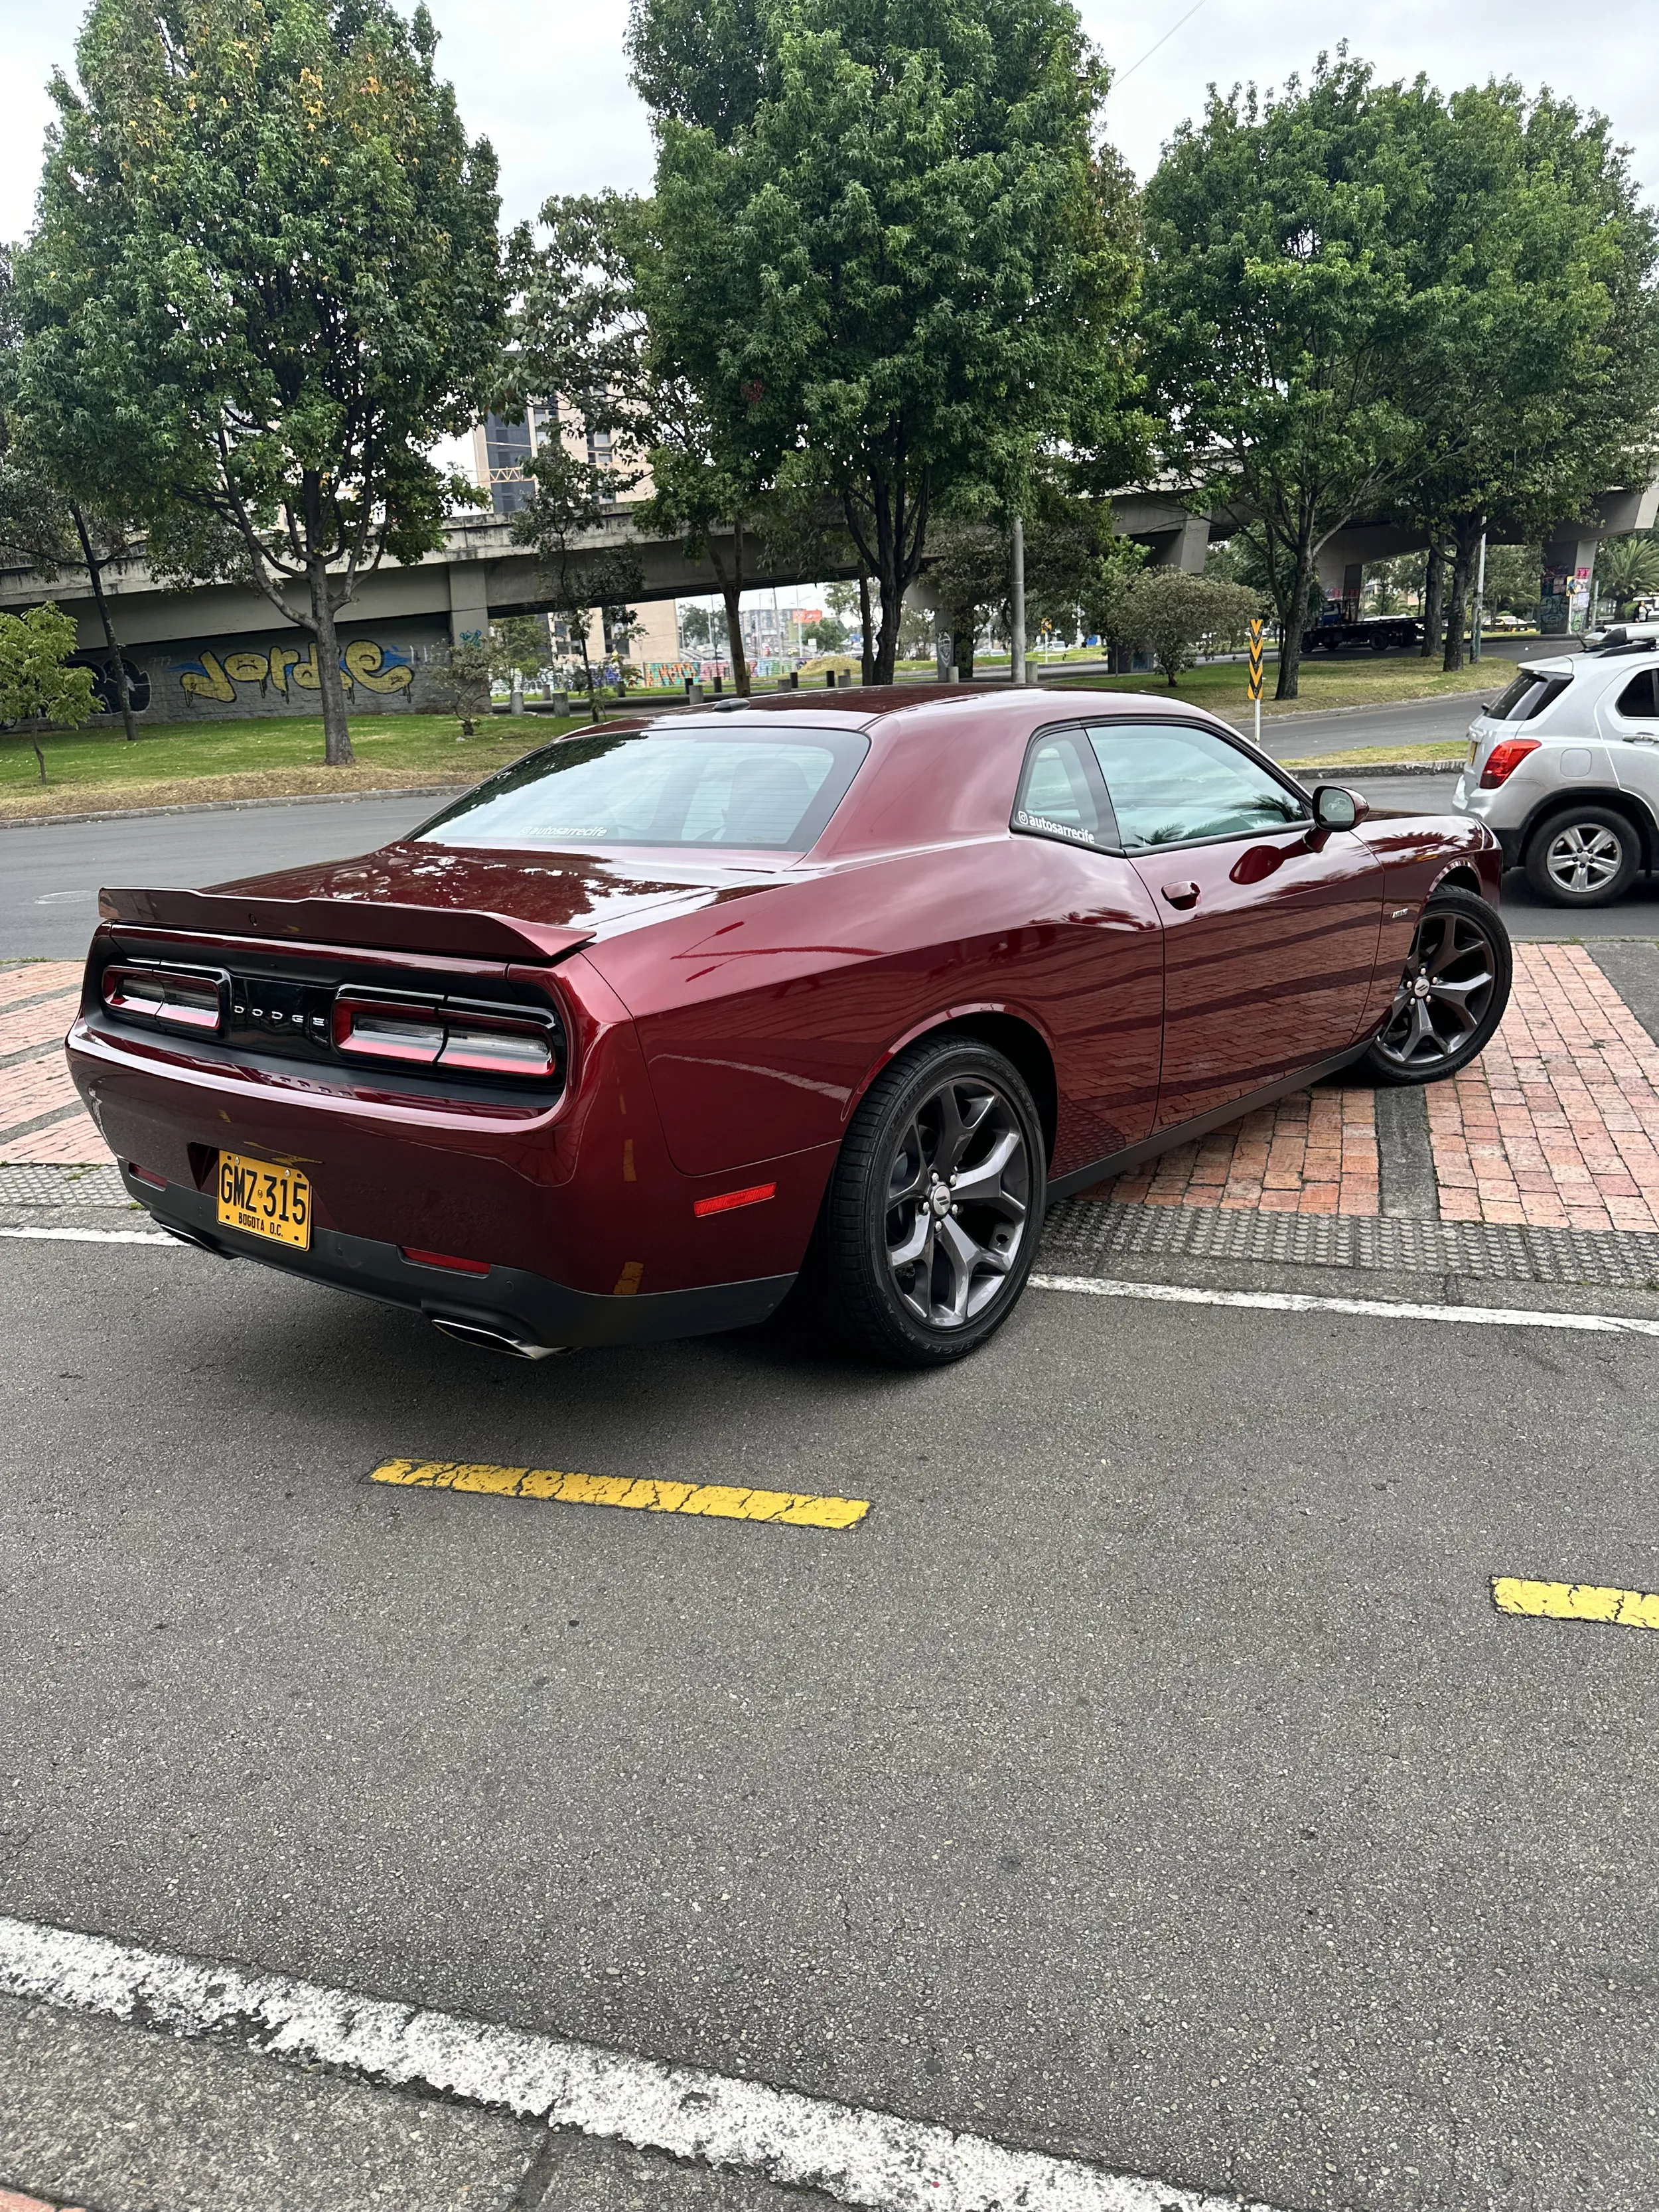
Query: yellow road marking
[[712, 1500], [1617, 1609]]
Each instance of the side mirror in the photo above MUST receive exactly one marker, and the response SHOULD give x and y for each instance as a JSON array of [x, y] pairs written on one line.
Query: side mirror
[[1334, 808]]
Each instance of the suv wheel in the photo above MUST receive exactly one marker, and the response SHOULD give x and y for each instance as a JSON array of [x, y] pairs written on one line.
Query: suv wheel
[[1451, 996], [933, 1212], [1583, 856]]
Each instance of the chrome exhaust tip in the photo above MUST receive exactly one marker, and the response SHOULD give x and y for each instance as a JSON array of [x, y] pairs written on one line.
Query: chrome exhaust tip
[[488, 1339]]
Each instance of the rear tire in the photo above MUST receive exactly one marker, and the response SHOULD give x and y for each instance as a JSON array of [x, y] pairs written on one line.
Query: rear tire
[[1452, 992], [933, 1212], [1583, 856]]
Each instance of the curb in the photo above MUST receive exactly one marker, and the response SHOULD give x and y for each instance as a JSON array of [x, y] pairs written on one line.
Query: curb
[[1361, 770]]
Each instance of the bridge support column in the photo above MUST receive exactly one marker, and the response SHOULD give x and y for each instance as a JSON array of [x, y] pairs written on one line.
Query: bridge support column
[[1563, 588], [1184, 548], [469, 600]]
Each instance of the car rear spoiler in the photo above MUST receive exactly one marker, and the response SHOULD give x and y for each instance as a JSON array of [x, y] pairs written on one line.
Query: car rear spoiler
[[369, 926]]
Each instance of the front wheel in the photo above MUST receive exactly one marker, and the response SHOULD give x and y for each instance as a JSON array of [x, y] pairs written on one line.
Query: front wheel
[[933, 1212], [1451, 995]]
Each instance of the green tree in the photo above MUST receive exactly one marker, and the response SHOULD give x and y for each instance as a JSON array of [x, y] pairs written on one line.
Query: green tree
[[1535, 326], [1174, 617], [37, 685], [37, 523], [891, 259], [458, 678], [1279, 287], [1627, 568], [266, 280], [573, 500]]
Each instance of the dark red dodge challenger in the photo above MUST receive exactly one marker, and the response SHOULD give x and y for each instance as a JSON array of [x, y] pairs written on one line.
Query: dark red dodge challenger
[[596, 1054]]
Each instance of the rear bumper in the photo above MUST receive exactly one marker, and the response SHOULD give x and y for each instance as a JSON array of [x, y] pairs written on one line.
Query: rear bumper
[[508, 1301]]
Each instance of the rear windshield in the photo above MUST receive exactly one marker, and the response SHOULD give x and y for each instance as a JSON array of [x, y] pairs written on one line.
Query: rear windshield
[[1527, 696], [768, 791]]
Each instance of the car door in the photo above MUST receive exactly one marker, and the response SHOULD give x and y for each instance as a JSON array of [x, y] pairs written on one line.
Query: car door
[[1270, 925], [1095, 965], [1629, 718]]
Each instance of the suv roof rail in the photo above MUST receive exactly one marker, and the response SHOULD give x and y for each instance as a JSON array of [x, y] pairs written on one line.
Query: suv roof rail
[[1625, 637]]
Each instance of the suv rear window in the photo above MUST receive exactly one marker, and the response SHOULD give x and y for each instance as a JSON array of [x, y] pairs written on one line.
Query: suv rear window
[[757, 790], [1527, 696]]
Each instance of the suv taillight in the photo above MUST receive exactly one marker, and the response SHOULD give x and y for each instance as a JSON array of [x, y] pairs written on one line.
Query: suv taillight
[[190, 1000], [1503, 759], [475, 1040]]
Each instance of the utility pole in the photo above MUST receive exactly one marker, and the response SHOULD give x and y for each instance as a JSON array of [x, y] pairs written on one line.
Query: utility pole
[[1016, 606], [1479, 598]]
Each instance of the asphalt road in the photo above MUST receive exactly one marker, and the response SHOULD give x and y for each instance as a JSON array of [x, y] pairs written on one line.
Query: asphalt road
[[1149, 1777]]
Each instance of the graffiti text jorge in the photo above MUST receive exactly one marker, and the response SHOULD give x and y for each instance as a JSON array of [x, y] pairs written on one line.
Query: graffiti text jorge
[[365, 661]]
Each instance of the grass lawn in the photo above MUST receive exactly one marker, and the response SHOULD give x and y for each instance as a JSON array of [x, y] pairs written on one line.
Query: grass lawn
[[1223, 686], [176, 763]]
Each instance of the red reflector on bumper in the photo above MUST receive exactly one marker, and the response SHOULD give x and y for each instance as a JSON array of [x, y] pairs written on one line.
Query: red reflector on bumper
[[755, 1194], [143, 1175], [445, 1260]]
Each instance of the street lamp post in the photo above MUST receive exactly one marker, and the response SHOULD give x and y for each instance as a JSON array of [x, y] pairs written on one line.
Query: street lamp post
[[1016, 606], [1479, 600]]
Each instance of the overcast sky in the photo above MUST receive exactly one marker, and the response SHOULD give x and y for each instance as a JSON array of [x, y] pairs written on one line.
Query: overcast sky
[[547, 84]]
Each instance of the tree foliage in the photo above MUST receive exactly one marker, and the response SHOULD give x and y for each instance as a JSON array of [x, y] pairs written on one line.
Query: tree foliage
[[1174, 617], [37, 684], [267, 279], [890, 258], [1535, 329], [1627, 568], [1279, 284]]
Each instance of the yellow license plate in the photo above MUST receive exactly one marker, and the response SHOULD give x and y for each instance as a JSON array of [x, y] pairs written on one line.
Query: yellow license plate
[[262, 1200]]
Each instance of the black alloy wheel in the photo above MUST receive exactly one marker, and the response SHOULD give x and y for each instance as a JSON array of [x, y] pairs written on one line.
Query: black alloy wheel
[[936, 1204], [1585, 855], [1451, 995]]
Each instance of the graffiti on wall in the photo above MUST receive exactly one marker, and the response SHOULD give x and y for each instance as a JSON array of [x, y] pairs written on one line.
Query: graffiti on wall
[[106, 691], [365, 662]]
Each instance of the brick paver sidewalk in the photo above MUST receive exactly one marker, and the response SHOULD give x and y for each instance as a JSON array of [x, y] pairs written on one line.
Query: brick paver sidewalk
[[1556, 1125]]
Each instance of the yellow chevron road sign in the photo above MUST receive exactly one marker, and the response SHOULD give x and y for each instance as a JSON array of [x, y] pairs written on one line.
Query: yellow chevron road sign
[[1255, 660]]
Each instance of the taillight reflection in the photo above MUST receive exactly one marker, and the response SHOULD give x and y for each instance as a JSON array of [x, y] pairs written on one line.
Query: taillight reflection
[[169, 998], [1503, 759]]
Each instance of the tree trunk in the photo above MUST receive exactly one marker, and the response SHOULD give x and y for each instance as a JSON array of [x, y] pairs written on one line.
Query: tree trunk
[[867, 670], [732, 597], [336, 731], [1293, 620], [95, 572], [1457, 597], [579, 622], [1434, 600]]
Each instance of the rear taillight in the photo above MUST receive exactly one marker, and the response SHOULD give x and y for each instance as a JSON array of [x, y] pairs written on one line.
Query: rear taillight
[[1503, 759], [499, 1044], [403, 1036], [190, 1000], [472, 1040]]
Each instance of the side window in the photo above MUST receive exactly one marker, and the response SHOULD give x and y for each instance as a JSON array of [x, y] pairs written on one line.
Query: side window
[[1170, 785], [1636, 701], [1061, 795]]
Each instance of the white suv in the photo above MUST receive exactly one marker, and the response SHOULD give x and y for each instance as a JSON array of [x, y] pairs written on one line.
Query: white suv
[[1564, 770]]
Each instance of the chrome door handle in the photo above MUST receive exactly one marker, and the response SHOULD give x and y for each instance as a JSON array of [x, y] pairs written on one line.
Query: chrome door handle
[[1181, 895]]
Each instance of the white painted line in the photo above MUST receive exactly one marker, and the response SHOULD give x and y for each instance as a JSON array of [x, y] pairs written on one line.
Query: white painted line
[[862, 2157], [1183, 1294], [101, 1236]]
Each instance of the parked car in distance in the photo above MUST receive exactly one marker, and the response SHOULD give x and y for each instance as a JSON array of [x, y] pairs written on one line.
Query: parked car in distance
[[598, 1053], [1564, 769]]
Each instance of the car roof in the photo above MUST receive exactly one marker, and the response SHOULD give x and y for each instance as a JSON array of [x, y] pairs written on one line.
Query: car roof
[[860, 707]]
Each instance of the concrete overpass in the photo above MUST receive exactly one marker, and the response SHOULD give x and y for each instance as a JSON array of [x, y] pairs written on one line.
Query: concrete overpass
[[222, 649]]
